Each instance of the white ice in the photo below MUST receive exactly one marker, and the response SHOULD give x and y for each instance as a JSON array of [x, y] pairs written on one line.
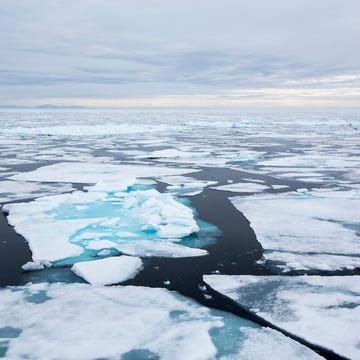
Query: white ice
[[82, 223], [324, 310], [278, 187], [36, 265], [85, 130], [111, 270], [16, 190], [302, 261], [185, 186], [81, 322], [306, 224], [175, 153], [148, 248], [242, 187], [92, 173], [318, 161]]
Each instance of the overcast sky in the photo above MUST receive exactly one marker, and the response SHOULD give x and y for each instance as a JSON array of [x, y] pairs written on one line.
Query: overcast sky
[[180, 53]]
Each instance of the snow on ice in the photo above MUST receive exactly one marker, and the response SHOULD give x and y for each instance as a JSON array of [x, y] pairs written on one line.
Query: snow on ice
[[324, 310], [78, 172], [242, 187], [307, 225], [16, 190], [111, 270], [134, 322]]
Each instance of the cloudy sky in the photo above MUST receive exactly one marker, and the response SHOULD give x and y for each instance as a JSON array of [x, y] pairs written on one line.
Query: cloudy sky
[[180, 53]]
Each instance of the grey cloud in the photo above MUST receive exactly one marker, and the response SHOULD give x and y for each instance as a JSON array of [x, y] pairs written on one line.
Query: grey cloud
[[206, 45]]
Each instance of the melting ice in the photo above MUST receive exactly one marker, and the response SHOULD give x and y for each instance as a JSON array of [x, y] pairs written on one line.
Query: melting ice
[[115, 217]]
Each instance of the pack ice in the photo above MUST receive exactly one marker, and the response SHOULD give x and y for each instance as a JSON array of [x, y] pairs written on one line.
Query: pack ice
[[302, 230], [324, 310], [82, 172], [128, 323], [109, 216]]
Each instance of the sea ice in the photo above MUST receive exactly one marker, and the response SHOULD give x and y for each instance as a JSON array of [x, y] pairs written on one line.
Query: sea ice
[[278, 187], [85, 130], [324, 310], [185, 186], [306, 225], [111, 270], [175, 153], [318, 161], [77, 172], [16, 190], [148, 248], [81, 322], [302, 261], [242, 187], [57, 228], [36, 265]]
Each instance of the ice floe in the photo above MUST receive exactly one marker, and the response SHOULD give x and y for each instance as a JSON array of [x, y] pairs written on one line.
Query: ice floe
[[111, 270], [324, 310], [77, 172], [175, 153], [78, 321], [306, 225], [312, 161], [124, 218], [148, 248], [17, 190], [36, 265], [185, 186], [242, 187]]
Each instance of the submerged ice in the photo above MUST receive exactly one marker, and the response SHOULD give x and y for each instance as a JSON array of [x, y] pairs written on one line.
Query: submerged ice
[[114, 216], [128, 323]]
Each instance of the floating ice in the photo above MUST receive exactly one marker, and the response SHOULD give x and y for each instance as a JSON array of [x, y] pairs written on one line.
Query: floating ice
[[278, 187], [242, 187], [16, 190], [123, 219], [185, 185], [148, 248], [324, 310], [175, 153], [111, 270], [36, 265], [306, 225], [85, 130], [128, 322], [302, 261], [77, 172], [311, 161]]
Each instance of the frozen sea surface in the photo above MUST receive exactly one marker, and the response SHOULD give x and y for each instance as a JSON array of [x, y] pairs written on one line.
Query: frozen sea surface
[[74, 172], [128, 323], [301, 230], [324, 310]]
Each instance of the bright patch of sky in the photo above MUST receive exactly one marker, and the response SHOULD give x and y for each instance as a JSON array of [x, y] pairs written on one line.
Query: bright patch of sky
[[180, 53]]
